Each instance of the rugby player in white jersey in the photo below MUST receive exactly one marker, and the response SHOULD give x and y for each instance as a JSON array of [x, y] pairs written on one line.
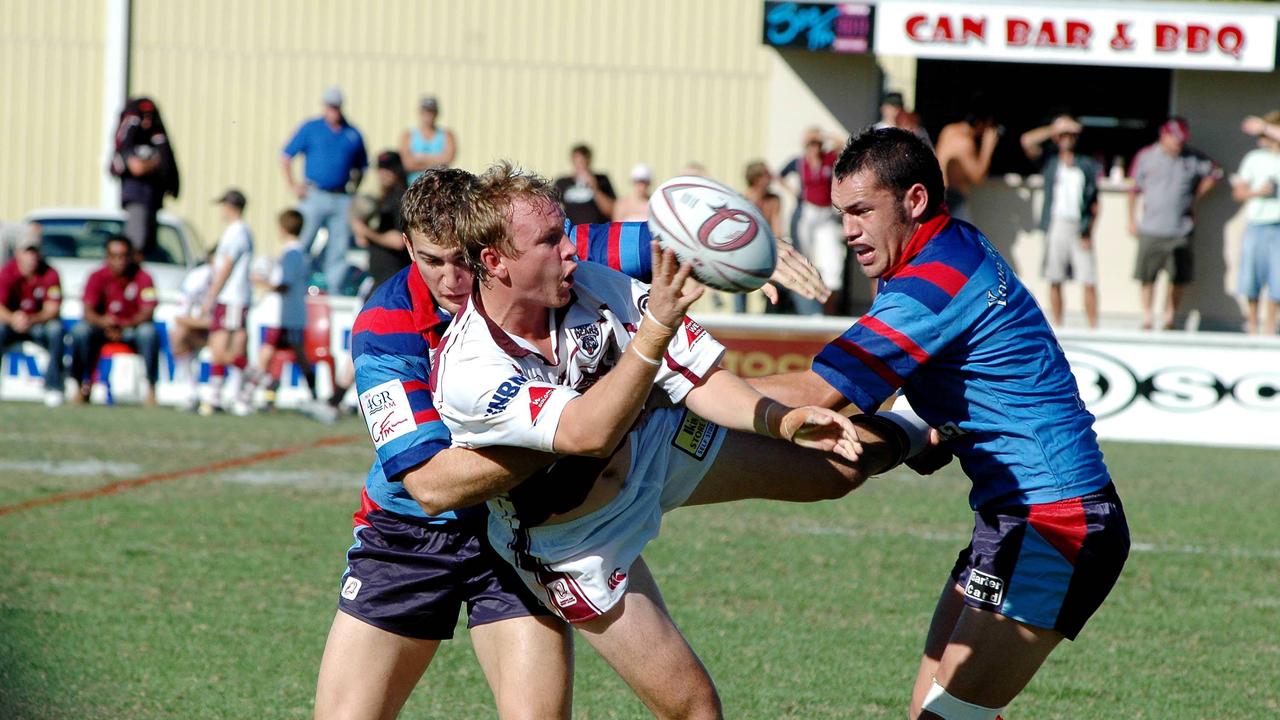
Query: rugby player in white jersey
[[561, 357]]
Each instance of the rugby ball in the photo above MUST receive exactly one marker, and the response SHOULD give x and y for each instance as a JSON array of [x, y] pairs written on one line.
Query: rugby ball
[[717, 230]]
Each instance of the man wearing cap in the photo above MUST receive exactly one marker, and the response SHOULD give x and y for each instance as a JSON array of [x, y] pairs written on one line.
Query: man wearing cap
[[381, 233], [335, 161], [635, 207], [428, 145], [893, 113], [227, 303], [1170, 177], [30, 298], [119, 303]]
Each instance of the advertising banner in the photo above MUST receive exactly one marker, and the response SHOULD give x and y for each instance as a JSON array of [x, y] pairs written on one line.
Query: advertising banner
[[1114, 33]]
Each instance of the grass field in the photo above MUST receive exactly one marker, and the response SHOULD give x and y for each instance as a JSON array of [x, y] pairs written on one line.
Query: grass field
[[209, 595]]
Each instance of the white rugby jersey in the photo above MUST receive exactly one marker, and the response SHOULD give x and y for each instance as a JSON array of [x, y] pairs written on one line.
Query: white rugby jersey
[[195, 286], [236, 245], [493, 388]]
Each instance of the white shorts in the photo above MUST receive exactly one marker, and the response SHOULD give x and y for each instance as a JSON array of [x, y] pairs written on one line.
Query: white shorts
[[579, 568], [1065, 257], [821, 239]]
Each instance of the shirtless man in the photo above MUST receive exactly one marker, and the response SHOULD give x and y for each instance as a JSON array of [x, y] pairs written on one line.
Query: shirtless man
[[964, 152]]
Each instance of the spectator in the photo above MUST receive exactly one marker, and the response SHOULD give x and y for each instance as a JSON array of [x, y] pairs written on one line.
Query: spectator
[[189, 331], [817, 228], [1067, 215], [1254, 125], [119, 302], [964, 153], [1256, 186], [288, 279], [387, 251], [427, 145], [635, 207], [893, 113], [335, 161], [144, 162], [760, 192], [1170, 177], [588, 196], [227, 304], [30, 298]]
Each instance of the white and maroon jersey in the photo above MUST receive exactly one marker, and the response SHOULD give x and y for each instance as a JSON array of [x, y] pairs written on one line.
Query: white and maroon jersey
[[493, 388]]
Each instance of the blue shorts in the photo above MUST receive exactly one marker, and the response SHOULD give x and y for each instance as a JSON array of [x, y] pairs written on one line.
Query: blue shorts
[[412, 579], [1049, 565], [1260, 261]]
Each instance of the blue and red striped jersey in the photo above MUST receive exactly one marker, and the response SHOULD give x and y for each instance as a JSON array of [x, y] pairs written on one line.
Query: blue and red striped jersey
[[958, 333], [390, 347]]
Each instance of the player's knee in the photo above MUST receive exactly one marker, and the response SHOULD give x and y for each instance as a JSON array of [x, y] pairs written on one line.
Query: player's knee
[[938, 703], [702, 704]]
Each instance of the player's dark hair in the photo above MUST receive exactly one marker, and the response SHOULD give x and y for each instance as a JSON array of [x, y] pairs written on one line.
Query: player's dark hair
[[898, 159], [290, 222]]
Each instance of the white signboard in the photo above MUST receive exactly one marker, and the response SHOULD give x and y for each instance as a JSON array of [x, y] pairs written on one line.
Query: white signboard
[[1114, 33], [1199, 390]]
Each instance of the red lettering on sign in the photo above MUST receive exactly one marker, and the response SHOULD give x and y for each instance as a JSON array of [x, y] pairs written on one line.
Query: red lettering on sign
[[943, 29], [1017, 31], [1231, 40], [1079, 33], [1167, 37]]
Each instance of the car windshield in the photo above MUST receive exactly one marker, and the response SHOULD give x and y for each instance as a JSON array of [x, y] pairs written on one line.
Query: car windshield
[[86, 238]]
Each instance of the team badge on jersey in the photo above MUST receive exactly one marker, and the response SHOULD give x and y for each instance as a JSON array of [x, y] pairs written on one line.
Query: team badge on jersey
[[694, 436], [387, 412], [351, 588], [588, 338], [561, 593]]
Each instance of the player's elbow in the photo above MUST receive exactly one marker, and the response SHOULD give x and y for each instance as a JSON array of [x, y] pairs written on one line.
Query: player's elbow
[[569, 441], [433, 499]]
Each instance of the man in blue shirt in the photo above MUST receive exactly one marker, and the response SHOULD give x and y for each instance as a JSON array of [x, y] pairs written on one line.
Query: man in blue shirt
[[958, 333], [335, 161]]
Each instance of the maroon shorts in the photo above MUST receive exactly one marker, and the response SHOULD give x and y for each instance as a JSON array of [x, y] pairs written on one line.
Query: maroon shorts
[[228, 317], [282, 338]]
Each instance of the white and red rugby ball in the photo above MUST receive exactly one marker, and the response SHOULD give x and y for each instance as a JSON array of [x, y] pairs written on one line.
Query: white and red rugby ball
[[717, 230]]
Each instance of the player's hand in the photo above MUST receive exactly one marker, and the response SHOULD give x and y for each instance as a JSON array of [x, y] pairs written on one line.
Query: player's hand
[[821, 429], [797, 274], [671, 293]]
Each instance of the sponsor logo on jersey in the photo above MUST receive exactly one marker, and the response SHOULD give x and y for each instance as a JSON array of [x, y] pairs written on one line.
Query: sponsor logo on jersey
[[537, 400], [387, 412], [693, 331], [561, 594], [351, 588], [984, 588], [587, 338], [694, 436], [502, 396], [616, 578]]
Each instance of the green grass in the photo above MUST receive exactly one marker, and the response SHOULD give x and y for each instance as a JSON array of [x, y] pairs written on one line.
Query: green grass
[[210, 597]]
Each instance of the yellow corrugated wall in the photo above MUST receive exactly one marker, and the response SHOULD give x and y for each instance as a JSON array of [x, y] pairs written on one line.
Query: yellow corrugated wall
[[663, 82], [50, 104]]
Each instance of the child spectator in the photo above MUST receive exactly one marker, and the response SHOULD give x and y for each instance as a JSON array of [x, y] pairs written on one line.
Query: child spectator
[[288, 278], [227, 304], [189, 333]]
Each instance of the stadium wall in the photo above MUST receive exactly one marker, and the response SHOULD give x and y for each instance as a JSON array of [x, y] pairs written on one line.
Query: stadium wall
[[51, 95]]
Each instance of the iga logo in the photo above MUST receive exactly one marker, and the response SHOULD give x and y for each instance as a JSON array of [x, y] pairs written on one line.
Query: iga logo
[[537, 400], [503, 395], [693, 331]]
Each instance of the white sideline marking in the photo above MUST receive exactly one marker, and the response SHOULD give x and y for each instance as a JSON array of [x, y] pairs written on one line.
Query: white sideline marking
[[70, 468], [296, 478], [1230, 552]]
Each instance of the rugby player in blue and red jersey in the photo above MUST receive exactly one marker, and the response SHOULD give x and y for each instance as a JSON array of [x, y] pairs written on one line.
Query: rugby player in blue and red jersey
[[413, 565], [958, 333]]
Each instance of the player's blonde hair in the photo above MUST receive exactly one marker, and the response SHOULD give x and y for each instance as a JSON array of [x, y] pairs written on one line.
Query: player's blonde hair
[[435, 204], [487, 222]]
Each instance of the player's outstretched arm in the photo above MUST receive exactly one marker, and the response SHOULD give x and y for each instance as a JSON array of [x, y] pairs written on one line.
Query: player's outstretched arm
[[796, 273], [594, 423], [804, 387], [727, 400]]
